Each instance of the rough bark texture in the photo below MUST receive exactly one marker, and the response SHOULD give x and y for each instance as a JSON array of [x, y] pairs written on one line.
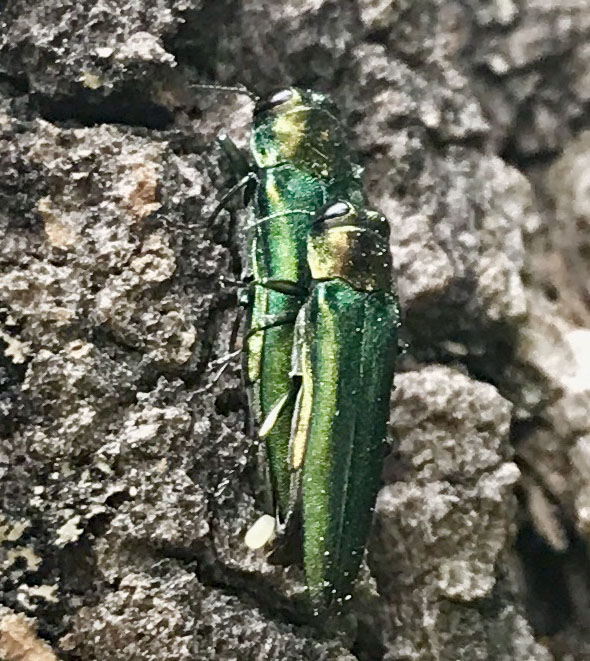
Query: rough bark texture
[[127, 474]]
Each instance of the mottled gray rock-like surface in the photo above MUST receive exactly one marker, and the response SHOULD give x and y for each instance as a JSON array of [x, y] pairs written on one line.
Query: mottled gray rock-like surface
[[445, 522], [127, 471]]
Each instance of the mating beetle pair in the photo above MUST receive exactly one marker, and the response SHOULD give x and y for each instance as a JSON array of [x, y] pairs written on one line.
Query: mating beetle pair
[[322, 335]]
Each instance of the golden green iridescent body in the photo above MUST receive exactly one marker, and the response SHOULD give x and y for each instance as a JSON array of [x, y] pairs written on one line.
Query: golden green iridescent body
[[345, 355], [303, 161]]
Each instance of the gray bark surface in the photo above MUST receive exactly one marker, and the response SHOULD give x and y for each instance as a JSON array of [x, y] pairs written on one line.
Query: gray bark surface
[[127, 472]]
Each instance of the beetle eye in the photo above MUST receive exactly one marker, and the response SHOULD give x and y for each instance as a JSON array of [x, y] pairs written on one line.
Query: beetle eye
[[273, 101], [336, 210]]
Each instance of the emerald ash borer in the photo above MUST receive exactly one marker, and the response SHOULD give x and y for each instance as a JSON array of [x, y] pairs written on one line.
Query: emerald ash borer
[[302, 158], [345, 352], [321, 337]]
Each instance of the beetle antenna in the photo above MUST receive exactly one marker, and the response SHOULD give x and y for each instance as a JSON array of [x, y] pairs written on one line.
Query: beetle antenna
[[238, 89]]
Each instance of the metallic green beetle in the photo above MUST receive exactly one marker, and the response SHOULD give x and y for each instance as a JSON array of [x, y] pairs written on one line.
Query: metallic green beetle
[[322, 336], [303, 161], [345, 352]]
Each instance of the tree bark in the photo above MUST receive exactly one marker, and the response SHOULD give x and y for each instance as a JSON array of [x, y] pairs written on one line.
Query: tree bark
[[127, 472]]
